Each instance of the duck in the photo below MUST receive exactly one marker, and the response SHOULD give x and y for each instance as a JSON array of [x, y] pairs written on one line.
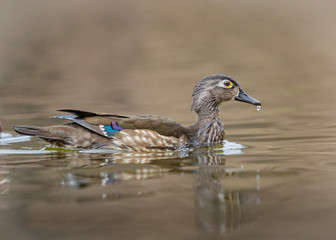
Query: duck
[[146, 133]]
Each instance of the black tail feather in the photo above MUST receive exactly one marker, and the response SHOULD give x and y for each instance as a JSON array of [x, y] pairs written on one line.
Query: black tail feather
[[84, 114]]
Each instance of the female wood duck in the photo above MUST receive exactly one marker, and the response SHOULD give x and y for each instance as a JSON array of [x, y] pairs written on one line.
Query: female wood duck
[[147, 133]]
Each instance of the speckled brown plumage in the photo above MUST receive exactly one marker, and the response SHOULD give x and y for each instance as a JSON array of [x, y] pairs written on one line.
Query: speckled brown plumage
[[147, 133]]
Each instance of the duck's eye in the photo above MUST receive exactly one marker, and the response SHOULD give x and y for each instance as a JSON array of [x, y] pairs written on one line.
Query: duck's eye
[[225, 84]]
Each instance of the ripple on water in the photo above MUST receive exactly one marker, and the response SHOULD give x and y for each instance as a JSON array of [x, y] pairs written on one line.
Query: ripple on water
[[7, 138]]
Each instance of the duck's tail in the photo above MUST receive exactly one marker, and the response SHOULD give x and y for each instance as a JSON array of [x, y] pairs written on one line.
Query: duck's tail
[[65, 135], [28, 130], [48, 134]]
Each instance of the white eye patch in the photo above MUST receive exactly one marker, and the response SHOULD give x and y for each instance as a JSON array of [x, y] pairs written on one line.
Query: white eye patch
[[225, 84]]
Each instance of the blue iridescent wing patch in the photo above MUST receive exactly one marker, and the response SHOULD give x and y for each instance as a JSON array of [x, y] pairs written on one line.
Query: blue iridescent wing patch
[[109, 130]]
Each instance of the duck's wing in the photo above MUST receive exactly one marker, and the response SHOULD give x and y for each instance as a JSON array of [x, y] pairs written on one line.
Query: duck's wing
[[107, 125]]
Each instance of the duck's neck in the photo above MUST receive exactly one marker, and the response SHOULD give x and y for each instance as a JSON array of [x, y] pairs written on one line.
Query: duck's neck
[[208, 128]]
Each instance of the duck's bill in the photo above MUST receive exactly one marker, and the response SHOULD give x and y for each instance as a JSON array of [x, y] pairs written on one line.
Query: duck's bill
[[243, 97]]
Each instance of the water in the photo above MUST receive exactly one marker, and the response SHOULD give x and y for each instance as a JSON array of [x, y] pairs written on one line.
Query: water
[[273, 178]]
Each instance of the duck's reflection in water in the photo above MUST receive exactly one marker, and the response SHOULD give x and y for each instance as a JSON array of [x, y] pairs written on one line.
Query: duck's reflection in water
[[217, 209], [217, 197]]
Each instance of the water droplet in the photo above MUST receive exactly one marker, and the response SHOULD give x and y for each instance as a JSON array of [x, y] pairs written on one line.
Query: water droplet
[[258, 108]]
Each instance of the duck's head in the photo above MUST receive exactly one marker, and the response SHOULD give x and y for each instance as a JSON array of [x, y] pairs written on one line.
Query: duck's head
[[212, 90]]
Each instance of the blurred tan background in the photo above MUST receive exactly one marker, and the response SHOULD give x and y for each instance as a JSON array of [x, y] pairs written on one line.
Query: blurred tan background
[[144, 56]]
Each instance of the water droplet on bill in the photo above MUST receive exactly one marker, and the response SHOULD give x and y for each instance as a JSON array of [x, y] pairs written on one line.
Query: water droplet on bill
[[258, 108]]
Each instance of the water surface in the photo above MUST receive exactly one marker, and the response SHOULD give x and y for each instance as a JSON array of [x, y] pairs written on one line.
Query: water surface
[[273, 178]]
